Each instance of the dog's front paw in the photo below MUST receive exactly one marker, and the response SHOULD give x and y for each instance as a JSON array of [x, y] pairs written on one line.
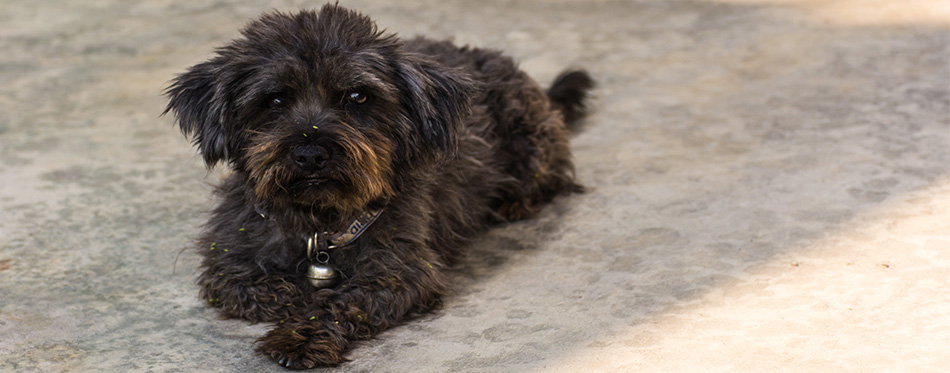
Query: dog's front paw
[[304, 345]]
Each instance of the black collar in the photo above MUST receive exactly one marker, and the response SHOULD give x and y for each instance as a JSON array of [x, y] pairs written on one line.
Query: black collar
[[319, 243], [324, 241], [352, 231]]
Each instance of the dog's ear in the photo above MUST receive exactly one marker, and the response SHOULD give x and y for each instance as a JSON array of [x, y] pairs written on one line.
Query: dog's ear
[[201, 110], [437, 98]]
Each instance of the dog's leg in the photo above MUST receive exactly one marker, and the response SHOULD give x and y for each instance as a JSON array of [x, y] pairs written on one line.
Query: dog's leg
[[248, 269], [389, 285], [249, 295]]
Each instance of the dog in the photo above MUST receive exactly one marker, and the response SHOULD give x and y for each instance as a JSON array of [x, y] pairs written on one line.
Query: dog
[[360, 165]]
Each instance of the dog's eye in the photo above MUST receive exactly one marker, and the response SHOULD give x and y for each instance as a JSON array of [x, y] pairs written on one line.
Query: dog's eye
[[276, 102], [356, 97]]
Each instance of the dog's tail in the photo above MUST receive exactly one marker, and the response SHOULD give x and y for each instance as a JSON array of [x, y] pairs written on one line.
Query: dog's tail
[[568, 93]]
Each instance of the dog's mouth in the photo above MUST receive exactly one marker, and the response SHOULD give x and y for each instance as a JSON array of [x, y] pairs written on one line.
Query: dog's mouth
[[310, 182], [313, 189]]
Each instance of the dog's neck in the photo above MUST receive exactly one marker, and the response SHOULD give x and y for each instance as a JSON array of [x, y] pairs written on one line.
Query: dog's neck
[[336, 237], [296, 220], [340, 229]]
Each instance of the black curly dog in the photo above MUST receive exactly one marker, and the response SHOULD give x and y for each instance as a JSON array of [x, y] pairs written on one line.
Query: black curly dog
[[327, 124]]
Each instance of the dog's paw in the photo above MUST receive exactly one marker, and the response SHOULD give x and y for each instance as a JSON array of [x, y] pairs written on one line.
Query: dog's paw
[[304, 345]]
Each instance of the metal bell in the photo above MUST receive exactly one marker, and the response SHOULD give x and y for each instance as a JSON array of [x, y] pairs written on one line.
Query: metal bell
[[322, 276]]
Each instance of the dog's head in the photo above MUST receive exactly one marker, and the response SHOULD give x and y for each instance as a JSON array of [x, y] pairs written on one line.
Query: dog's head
[[320, 109]]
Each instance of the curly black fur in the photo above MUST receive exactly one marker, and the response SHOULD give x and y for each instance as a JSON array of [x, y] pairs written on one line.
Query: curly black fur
[[322, 117]]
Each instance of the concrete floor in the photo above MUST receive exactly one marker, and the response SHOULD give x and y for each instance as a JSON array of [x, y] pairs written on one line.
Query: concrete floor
[[769, 191]]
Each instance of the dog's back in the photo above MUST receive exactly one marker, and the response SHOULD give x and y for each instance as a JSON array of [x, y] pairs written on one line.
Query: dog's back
[[513, 151], [568, 92]]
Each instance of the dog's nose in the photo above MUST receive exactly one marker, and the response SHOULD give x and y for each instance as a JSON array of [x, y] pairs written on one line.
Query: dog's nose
[[311, 158]]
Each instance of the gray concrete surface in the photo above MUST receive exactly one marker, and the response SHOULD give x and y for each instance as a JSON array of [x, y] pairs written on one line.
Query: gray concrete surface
[[769, 191]]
